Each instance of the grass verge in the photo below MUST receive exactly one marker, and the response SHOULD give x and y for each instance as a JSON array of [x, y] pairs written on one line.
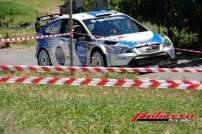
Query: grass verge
[[64, 109]]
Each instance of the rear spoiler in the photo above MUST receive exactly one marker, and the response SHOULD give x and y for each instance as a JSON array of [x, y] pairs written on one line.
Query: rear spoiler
[[52, 16], [44, 20]]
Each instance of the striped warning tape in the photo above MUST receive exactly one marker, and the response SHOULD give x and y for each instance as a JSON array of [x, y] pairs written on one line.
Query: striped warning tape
[[154, 84], [32, 37], [30, 68]]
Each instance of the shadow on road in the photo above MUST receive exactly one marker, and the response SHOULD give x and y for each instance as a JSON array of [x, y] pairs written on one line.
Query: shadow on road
[[188, 60]]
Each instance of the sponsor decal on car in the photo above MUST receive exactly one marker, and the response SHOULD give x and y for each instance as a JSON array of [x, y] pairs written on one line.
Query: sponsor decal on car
[[81, 52]]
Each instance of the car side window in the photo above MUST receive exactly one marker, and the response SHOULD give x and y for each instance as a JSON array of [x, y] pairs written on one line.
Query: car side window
[[54, 28], [65, 26], [79, 30]]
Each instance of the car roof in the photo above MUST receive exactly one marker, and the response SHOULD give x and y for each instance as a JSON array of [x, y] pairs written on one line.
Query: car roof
[[91, 15]]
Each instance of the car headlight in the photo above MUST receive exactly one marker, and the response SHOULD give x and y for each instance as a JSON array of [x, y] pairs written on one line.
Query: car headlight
[[167, 42], [118, 49]]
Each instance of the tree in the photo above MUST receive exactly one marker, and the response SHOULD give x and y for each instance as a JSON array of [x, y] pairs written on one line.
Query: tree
[[178, 16]]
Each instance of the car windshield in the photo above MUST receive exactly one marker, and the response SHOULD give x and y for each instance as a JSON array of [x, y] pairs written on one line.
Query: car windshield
[[112, 26]]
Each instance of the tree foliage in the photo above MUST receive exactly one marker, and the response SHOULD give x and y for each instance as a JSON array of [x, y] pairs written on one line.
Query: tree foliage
[[183, 16]]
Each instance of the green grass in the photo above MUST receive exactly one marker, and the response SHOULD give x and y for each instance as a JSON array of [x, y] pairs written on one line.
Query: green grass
[[16, 13], [27, 7], [14, 9], [65, 109], [42, 6], [20, 12]]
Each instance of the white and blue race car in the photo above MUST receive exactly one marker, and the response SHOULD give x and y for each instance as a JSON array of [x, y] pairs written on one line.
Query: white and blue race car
[[101, 38]]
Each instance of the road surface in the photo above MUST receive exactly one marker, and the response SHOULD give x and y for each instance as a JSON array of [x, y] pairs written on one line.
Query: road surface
[[18, 56], [26, 56]]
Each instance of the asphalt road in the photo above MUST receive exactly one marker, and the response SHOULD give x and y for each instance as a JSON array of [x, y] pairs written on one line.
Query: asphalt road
[[26, 56], [18, 56]]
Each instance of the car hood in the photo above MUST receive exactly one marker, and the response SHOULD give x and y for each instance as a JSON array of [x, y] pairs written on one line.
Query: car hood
[[135, 39]]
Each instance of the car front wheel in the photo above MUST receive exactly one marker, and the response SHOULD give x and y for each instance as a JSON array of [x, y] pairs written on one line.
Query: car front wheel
[[44, 58], [98, 59]]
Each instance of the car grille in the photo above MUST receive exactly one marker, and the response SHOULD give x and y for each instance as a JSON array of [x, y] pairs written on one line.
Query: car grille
[[148, 61], [149, 48]]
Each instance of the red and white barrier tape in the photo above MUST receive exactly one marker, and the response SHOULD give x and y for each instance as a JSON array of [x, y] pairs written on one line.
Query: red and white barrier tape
[[30, 68], [154, 84], [191, 51], [32, 37]]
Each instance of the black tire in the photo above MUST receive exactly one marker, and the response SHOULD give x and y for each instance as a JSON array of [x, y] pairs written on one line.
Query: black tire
[[43, 58], [98, 59]]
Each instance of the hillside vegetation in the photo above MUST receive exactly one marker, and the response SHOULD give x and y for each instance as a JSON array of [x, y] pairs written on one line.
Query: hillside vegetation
[[22, 12], [18, 17]]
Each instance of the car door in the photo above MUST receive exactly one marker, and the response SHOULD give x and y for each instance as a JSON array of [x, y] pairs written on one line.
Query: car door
[[63, 51], [81, 44], [54, 44]]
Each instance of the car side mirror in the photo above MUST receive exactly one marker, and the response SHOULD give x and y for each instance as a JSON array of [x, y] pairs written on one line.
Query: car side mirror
[[84, 38]]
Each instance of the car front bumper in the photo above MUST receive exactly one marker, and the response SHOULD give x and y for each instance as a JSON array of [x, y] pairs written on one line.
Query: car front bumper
[[133, 60]]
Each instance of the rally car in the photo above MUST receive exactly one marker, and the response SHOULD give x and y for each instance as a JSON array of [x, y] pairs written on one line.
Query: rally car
[[101, 38]]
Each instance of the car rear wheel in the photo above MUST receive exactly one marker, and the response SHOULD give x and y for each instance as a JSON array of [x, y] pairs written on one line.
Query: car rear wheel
[[98, 59], [44, 58]]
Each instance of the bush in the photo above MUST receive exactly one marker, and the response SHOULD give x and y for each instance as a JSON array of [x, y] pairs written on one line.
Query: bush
[[185, 38]]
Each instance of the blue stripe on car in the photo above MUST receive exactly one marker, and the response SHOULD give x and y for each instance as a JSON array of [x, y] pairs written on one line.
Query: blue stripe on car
[[95, 13], [130, 44]]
